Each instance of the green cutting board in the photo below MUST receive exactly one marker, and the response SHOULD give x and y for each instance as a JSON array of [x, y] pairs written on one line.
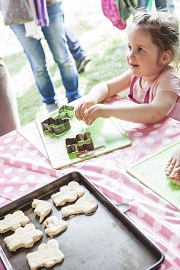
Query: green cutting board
[[150, 171], [107, 135]]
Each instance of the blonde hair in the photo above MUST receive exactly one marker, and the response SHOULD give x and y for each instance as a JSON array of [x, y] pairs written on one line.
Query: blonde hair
[[163, 28]]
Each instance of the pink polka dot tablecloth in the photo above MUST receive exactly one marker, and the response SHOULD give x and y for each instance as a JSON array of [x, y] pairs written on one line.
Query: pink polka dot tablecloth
[[24, 167]]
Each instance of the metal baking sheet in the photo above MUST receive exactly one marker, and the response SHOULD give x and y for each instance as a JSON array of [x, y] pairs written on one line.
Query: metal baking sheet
[[104, 240]]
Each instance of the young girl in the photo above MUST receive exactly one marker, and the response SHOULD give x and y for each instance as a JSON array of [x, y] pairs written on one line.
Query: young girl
[[153, 43]]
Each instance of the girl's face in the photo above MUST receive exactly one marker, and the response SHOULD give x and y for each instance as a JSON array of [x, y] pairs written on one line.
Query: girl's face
[[142, 56]]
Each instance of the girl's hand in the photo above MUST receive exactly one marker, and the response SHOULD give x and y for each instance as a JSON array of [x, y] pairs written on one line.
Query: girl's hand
[[98, 110], [87, 102]]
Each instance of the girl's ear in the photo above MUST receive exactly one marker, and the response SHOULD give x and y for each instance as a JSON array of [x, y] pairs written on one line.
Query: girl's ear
[[166, 57]]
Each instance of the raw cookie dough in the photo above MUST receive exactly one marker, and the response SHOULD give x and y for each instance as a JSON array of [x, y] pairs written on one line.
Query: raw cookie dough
[[42, 208], [84, 205], [13, 221], [23, 237], [47, 255], [54, 225], [68, 193]]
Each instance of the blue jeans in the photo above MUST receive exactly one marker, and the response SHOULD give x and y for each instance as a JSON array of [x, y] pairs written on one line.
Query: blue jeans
[[75, 48], [57, 42], [163, 5]]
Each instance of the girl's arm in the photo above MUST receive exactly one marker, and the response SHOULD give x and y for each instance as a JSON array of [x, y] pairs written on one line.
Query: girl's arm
[[162, 104], [103, 91]]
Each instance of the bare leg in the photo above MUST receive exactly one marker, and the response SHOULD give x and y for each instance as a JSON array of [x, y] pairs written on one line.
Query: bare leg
[[172, 169]]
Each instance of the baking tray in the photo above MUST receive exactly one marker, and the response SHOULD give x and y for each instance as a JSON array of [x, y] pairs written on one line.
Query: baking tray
[[104, 240], [107, 135], [150, 171]]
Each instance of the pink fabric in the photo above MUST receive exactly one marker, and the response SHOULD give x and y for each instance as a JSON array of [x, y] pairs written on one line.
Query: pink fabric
[[24, 168], [169, 80], [110, 10]]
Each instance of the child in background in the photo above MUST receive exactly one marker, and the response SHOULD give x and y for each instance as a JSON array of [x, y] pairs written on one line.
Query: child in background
[[153, 43]]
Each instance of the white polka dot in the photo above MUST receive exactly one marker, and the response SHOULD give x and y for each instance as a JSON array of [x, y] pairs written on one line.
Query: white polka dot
[[169, 131], [154, 132], [39, 185], [8, 189], [135, 142], [23, 187], [130, 152], [174, 241], [126, 200], [156, 226], [8, 155], [138, 134], [20, 154], [142, 126], [7, 140], [150, 140], [78, 165], [22, 169], [171, 255], [156, 125], [8, 170], [140, 213], [30, 178], [162, 202], [1, 162], [2, 148], [13, 147], [146, 150], [172, 268], [15, 179], [45, 176], [12, 160], [2, 200], [160, 212], [19, 139], [13, 133], [26, 145], [106, 171], [35, 167], [41, 160], [34, 152], [59, 174], [146, 191], [165, 140], [2, 180]]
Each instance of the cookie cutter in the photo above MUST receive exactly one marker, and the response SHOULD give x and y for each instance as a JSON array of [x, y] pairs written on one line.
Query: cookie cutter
[[81, 143], [56, 125], [66, 111]]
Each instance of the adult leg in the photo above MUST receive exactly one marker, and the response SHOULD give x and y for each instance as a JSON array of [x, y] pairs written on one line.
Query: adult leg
[[142, 4], [170, 5], [8, 104], [161, 5], [78, 53], [57, 42], [35, 54], [75, 48]]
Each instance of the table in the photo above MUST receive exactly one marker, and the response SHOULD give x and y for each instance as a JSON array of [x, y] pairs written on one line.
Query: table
[[24, 167]]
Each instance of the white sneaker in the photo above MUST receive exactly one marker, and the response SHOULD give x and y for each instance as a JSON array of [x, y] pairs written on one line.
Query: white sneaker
[[51, 107]]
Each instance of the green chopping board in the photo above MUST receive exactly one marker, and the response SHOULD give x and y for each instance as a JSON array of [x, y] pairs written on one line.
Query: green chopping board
[[150, 171], [107, 135]]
